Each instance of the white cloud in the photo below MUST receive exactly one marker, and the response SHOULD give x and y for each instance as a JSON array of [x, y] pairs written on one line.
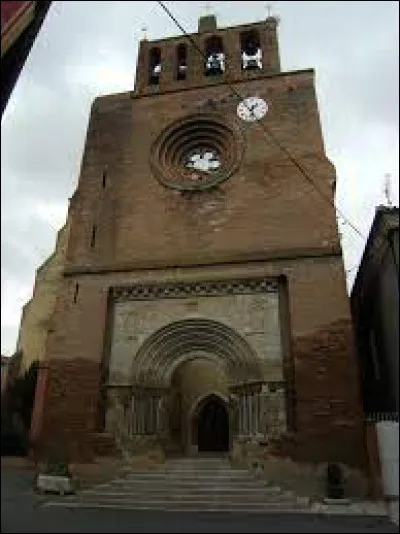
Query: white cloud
[[90, 48], [53, 213]]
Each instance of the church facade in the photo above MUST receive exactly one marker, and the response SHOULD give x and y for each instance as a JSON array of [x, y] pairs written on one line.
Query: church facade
[[203, 301]]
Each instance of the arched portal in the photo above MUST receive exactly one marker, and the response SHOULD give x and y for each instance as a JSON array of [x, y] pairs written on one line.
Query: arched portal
[[182, 377], [210, 425]]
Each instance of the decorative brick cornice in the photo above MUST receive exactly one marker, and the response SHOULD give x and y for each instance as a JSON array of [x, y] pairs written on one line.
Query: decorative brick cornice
[[189, 289], [257, 258]]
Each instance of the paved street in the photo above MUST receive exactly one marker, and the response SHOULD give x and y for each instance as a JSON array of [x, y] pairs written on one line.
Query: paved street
[[22, 511]]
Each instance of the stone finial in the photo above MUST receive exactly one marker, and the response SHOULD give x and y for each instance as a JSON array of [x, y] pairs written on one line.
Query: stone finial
[[207, 23], [144, 33]]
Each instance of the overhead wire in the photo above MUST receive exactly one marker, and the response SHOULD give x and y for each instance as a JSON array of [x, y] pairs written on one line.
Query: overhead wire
[[268, 134], [264, 127]]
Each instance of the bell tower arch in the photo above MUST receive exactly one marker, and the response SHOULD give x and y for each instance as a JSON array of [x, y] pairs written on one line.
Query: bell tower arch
[[211, 56]]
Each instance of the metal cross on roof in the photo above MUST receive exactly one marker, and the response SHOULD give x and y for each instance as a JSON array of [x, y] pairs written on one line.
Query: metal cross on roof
[[387, 189]]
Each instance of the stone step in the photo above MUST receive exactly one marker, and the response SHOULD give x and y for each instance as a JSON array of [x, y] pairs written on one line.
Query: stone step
[[202, 466], [207, 468], [198, 475], [190, 485], [227, 481], [222, 458], [213, 494], [211, 472], [237, 501], [199, 464], [200, 505]]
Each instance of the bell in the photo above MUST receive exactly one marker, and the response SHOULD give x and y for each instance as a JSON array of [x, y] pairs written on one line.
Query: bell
[[251, 61], [214, 65]]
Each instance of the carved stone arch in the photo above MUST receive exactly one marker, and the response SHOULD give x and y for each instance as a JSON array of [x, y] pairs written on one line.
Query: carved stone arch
[[157, 357]]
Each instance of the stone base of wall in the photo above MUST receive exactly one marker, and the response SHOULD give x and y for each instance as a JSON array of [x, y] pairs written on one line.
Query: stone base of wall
[[304, 478], [103, 444], [141, 451]]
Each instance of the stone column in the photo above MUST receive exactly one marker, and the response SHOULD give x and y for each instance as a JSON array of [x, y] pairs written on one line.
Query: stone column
[[154, 413], [243, 416], [161, 414], [152, 418], [141, 415], [250, 411], [263, 410], [133, 417], [234, 414], [137, 412], [146, 414], [246, 414], [239, 415], [158, 414], [258, 430], [149, 414], [255, 414]]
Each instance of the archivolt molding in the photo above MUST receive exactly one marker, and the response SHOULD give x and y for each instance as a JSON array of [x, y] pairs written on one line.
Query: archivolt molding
[[156, 359]]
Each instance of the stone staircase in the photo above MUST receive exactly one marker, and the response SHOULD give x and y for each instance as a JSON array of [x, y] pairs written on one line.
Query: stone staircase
[[191, 484]]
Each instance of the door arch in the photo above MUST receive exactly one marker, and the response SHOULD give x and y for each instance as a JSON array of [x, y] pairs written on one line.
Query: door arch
[[211, 424]]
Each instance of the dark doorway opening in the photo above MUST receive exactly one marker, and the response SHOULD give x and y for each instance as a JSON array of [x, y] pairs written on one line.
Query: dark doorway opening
[[213, 427]]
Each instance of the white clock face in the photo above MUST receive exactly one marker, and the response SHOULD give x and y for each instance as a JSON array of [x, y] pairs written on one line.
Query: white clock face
[[252, 109]]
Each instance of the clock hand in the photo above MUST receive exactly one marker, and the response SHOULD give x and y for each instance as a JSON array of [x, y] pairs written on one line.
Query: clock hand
[[253, 108]]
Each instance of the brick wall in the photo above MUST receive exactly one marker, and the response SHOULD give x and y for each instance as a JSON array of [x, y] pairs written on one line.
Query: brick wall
[[265, 220], [140, 223], [325, 402], [68, 420]]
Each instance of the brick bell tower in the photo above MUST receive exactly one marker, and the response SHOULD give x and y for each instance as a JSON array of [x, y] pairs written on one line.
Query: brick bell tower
[[204, 278]]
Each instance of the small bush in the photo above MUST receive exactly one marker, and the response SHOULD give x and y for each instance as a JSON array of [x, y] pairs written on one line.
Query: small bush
[[16, 412]]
